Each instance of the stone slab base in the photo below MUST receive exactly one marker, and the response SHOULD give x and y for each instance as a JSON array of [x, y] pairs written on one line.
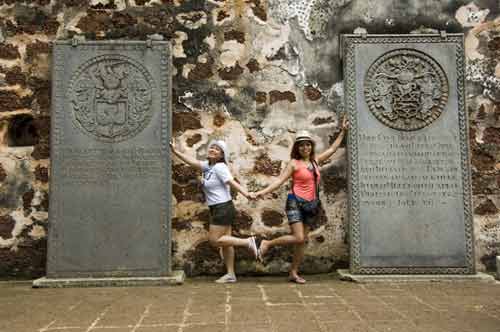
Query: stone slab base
[[366, 278], [176, 278]]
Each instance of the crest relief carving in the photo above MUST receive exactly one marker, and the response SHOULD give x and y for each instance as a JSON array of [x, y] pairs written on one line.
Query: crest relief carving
[[406, 89], [111, 98]]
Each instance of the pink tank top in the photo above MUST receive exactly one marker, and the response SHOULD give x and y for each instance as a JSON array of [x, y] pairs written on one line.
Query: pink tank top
[[303, 180]]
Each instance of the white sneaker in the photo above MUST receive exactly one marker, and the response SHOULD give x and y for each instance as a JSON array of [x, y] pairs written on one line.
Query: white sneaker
[[226, 278], [252, 245]]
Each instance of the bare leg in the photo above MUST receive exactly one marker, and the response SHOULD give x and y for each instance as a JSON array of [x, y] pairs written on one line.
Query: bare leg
[[228, 253], [297, 237], [220, 236], [298, 255]]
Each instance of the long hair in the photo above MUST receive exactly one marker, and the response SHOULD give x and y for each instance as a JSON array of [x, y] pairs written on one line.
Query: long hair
[[295, 151]]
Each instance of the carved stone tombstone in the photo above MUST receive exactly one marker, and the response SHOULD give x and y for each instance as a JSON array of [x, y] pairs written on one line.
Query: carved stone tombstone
[[110, 164], [410, 187]]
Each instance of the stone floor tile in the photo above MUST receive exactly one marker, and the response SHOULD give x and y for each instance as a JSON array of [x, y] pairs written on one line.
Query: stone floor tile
[[205, 328], [110, 329], [309, 326], [206, 318], [386, 315], [167, 318], [250, 327], [322, 305], [393, 326], [156, 329], [336, 315], [348, 326], [248, 315]]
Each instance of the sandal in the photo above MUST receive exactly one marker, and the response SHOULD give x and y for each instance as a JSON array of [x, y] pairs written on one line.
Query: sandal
[[297, 280]]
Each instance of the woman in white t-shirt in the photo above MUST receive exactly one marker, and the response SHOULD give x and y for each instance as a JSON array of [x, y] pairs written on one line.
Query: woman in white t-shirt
[[217, 180]]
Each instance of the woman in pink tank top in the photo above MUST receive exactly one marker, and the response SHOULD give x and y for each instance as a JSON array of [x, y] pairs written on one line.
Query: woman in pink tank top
[[303, 169]]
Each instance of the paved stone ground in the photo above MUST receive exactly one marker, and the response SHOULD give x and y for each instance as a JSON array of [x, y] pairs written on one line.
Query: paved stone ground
[[255, 305]]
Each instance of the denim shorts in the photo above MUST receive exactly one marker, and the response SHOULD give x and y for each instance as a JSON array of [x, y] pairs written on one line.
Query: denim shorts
[[295, 214], [222, 214]]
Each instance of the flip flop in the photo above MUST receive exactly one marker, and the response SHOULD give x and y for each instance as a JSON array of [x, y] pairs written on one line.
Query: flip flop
[[297, 280]]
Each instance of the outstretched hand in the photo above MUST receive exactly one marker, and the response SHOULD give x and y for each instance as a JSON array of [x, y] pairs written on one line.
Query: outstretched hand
[[345, 123]]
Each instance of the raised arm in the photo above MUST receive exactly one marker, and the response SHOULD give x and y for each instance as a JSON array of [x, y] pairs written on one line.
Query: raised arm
[[285, 175], [185, 158], [325, 155], [239, 188]]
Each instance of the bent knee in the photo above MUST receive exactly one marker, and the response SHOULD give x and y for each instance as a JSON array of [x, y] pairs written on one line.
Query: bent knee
[[300, 239], [214, 241]]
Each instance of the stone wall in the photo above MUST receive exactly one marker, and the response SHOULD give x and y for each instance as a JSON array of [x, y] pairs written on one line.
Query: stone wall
[[252, 72]]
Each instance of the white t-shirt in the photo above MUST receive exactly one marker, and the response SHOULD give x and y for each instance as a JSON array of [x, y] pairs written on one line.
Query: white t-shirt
[[215, 186]]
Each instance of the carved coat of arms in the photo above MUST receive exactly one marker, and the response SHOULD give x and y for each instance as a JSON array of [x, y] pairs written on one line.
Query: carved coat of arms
[[111, 98], [406, 89]]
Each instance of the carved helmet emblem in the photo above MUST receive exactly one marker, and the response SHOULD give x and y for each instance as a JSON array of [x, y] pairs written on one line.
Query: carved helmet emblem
[[406, 89], [111, 98]]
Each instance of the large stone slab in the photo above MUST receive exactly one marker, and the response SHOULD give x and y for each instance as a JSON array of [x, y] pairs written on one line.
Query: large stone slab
[[110, 163], [409, 178]]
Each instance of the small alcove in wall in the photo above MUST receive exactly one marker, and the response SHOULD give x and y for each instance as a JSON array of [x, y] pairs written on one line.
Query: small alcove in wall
[[22, 131]]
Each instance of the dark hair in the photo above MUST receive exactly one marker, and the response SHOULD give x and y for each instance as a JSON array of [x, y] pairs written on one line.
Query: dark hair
[[295, 150]]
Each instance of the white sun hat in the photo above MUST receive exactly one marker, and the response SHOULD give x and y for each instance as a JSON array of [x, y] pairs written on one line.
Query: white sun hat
[[303, 135], [223, 146]]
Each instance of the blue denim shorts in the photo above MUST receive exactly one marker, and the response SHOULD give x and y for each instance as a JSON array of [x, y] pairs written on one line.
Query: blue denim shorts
[[295, 214]]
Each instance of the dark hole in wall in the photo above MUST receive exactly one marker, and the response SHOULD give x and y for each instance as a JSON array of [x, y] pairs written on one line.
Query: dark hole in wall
[[22, 131]]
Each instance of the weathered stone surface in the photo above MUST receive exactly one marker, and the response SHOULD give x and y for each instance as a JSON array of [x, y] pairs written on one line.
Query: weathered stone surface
[[312, 93], [219, 119], [15, 76], [182, 121], [188, 192], [253, 65], [8, 51], [239, 36], [272, 217], [27, 261], [11, 101], [275, 96], [184, 174], [42, 174], [265, 165], [231, 73], [3, 174], [6, 227], [193, 140], [242, 222], [486, 207], [203, 259], [260, 97], [33, 50]]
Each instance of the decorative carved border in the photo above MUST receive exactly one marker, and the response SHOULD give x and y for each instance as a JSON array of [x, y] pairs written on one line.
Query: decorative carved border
[[349, 43], [57, 136]]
